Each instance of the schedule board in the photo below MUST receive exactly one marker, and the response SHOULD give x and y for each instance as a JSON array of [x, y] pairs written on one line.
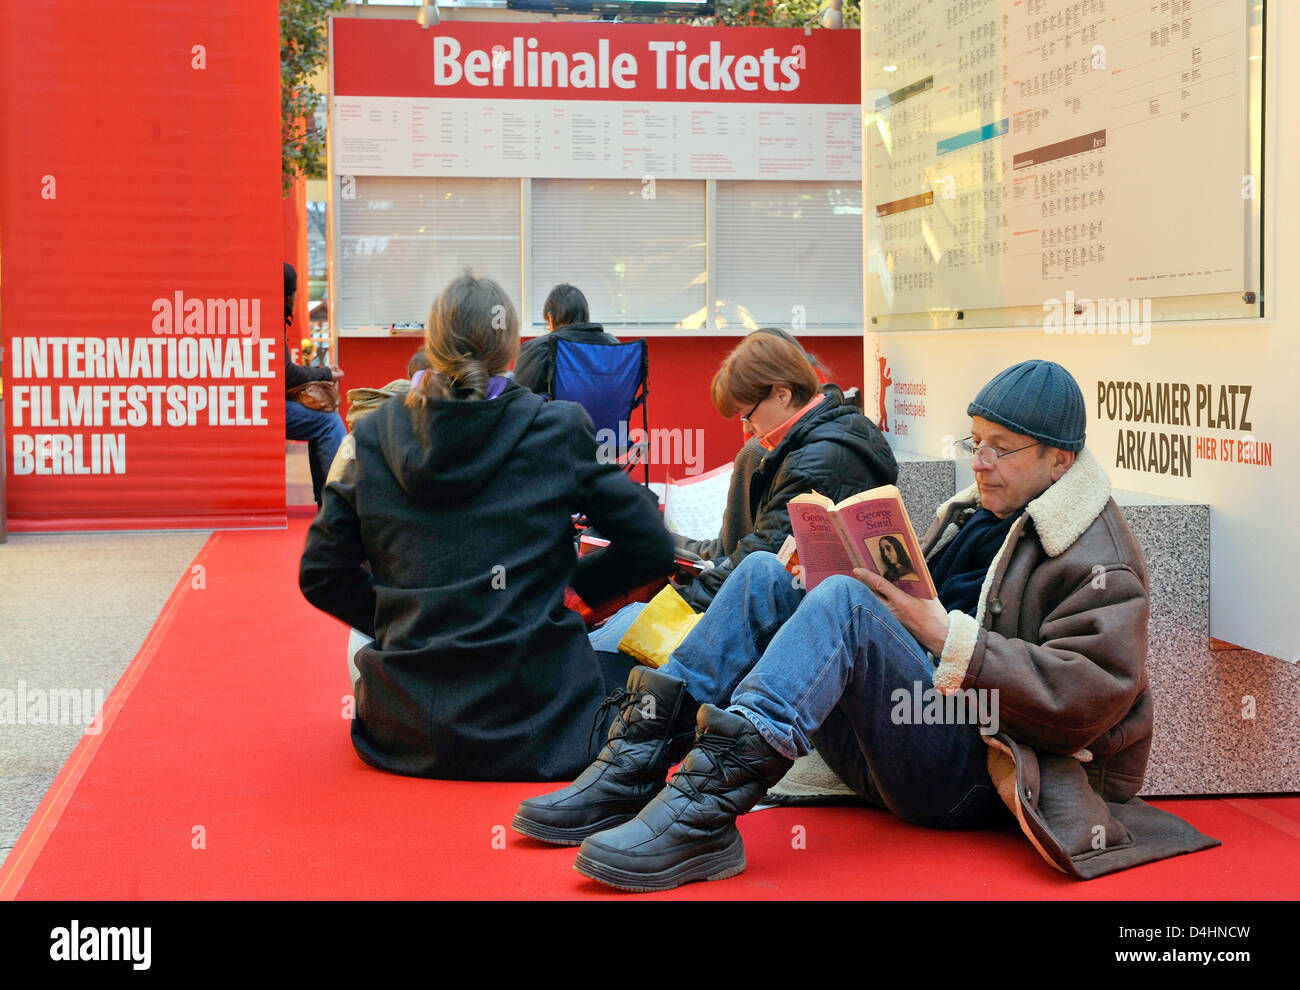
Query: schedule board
[[594, 101], [1020, 150]]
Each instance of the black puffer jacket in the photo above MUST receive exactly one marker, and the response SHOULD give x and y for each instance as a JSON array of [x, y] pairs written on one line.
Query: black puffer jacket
[[833, 449], [462, 511]]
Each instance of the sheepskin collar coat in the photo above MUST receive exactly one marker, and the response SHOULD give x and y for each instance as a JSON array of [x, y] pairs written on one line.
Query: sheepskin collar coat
[[1060, 633]]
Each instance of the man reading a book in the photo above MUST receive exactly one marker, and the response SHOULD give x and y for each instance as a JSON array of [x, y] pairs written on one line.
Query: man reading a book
[[1042, 599]]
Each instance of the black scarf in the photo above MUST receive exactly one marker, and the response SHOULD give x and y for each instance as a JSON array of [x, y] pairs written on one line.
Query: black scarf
[[959, 569]]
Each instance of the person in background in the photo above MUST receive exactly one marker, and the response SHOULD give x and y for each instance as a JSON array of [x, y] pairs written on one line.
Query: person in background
[[323, 431], [419, 362], [566, 315], [449, 540], [363, 401]]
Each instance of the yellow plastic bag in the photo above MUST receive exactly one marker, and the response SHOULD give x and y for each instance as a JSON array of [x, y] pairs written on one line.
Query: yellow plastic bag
[[659, 629]]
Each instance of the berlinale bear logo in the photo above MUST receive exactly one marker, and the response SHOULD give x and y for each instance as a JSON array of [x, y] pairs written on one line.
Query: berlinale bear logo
[[882, 387]]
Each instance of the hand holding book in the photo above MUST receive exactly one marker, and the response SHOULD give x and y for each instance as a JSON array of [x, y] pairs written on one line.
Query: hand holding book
[[925, 618], [870, 537]]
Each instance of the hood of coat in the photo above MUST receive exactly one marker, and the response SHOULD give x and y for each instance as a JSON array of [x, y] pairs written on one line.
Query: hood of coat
[[1063, 512], [833, 421], [446, 451]]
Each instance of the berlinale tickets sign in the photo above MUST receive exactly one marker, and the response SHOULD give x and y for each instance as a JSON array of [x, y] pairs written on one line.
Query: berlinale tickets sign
[[594, 101]]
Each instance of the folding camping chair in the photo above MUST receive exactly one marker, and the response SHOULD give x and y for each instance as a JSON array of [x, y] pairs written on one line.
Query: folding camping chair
[[609, 381]]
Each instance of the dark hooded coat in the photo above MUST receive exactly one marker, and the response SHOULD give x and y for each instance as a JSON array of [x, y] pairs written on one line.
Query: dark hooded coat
[[461, 510]]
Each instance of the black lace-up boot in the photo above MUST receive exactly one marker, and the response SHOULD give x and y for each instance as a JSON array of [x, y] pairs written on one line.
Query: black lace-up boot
[[688, 832], [652, 731]]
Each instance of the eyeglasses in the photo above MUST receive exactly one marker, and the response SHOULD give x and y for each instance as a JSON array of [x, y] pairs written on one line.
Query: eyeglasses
[[986, 454], [745, 418]]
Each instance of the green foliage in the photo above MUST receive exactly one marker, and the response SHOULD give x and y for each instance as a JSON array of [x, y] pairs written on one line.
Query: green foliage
[[780, 13], [303, 50]]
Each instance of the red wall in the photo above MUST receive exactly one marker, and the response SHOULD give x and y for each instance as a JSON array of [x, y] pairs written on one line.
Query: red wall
[[133, 166], [295, 252], [681, 369]]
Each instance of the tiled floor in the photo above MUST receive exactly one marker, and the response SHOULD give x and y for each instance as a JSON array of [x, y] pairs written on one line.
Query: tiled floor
[[75, 609], [297, 474]]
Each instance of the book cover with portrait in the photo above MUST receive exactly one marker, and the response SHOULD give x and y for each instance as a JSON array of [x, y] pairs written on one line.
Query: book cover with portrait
[[869, 530]]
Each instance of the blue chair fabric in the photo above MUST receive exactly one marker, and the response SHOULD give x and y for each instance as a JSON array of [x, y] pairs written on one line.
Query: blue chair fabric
[[608, 380]]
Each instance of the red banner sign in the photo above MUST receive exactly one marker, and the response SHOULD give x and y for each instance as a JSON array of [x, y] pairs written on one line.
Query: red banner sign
[[141, 249]]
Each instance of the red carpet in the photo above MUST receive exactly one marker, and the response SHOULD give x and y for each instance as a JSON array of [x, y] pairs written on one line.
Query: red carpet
[[226, 733]]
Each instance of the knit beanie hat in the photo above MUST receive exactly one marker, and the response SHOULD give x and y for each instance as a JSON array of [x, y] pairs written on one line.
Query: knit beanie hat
[[1037, 398]]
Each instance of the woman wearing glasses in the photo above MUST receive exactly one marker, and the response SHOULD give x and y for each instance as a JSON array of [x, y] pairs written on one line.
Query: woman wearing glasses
[[801, 437]]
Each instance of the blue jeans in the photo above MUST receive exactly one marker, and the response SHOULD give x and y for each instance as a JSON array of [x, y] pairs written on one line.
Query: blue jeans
[[615, 628], [824, 667], [323, 431]]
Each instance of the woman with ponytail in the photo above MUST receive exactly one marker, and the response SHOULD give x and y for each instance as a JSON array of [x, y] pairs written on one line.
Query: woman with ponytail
[[448, 539]]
